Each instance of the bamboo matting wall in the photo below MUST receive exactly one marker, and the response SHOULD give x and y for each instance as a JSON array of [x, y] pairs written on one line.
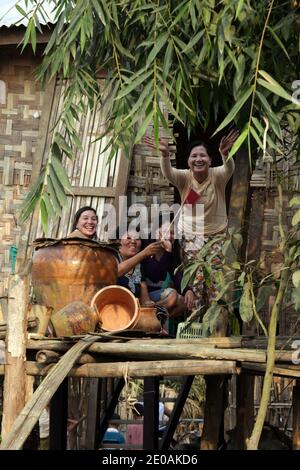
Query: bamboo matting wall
[[89, 171], [19, 127], [147, 184], [265, 176]]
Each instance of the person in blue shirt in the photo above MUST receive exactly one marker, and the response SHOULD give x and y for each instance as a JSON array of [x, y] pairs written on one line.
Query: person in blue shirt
[[112, 434]]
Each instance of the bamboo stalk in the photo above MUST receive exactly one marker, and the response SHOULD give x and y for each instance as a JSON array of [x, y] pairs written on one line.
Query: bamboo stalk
[[144, 350], [142, 369]]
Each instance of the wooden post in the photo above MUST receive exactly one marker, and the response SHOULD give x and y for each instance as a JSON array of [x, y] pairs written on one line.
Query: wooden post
[[59, 417], [15, 375], [244, 408], [213, 427], [296, 416], [151, 404], [93, 415]]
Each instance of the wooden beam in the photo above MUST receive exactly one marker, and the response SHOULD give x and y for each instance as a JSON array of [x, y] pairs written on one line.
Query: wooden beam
[[142, 369], [94, 192], [284, 371], [122, 181]]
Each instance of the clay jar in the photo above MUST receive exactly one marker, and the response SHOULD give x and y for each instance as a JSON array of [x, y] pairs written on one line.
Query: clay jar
[[76, 318], [66, 271]]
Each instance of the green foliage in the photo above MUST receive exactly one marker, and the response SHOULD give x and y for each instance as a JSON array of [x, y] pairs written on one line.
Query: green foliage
[[201, 59]]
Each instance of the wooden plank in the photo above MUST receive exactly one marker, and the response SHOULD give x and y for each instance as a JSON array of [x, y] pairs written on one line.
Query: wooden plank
[[259, 369], [94, 192], [122, 181], [142, 368]]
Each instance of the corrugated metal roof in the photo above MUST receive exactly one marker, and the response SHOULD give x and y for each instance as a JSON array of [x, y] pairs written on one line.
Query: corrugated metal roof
[[9, 15]]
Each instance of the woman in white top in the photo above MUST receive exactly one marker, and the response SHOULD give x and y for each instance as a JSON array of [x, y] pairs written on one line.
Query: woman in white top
[[200, 184]]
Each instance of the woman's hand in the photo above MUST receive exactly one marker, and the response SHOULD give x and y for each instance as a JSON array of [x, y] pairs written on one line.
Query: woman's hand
[[166, 245], [227, 142], [152, 249], [189, 299], [162, 145]]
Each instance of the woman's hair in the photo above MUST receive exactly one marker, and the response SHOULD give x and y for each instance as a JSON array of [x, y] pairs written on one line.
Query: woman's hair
[[78, 214], [197, 143]]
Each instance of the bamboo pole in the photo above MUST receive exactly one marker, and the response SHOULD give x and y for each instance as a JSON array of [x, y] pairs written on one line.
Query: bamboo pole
[[144, 350], [15, 376], [142, 369]]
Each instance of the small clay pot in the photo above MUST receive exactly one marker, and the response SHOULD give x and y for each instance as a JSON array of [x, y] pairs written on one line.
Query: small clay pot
[[76, 318]]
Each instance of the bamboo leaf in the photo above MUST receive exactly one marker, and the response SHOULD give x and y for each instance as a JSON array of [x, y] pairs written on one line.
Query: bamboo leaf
[[296, 218], [262, 296], [279, 42], [236, 108], [239, 141], [49, 207], [44, 216], [296, 278], [53, 198], [158, 45], [295, 201], [134, 83], [144, 126], [168, 59], [59, 191], [61, 174], [189, 275], [273, 86]]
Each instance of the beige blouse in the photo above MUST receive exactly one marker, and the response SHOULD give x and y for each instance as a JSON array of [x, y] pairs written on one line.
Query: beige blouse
[[211, 190]]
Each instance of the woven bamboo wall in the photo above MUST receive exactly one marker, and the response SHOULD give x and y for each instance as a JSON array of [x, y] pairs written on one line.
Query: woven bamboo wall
[[19, 127], [146, 183], [265, 176]]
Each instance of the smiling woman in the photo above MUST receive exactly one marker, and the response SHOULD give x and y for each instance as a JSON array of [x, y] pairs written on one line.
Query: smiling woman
[[201, 185], [85, 223]]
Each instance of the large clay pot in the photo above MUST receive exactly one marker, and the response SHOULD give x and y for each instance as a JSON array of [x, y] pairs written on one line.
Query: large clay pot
[[67, 271]]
